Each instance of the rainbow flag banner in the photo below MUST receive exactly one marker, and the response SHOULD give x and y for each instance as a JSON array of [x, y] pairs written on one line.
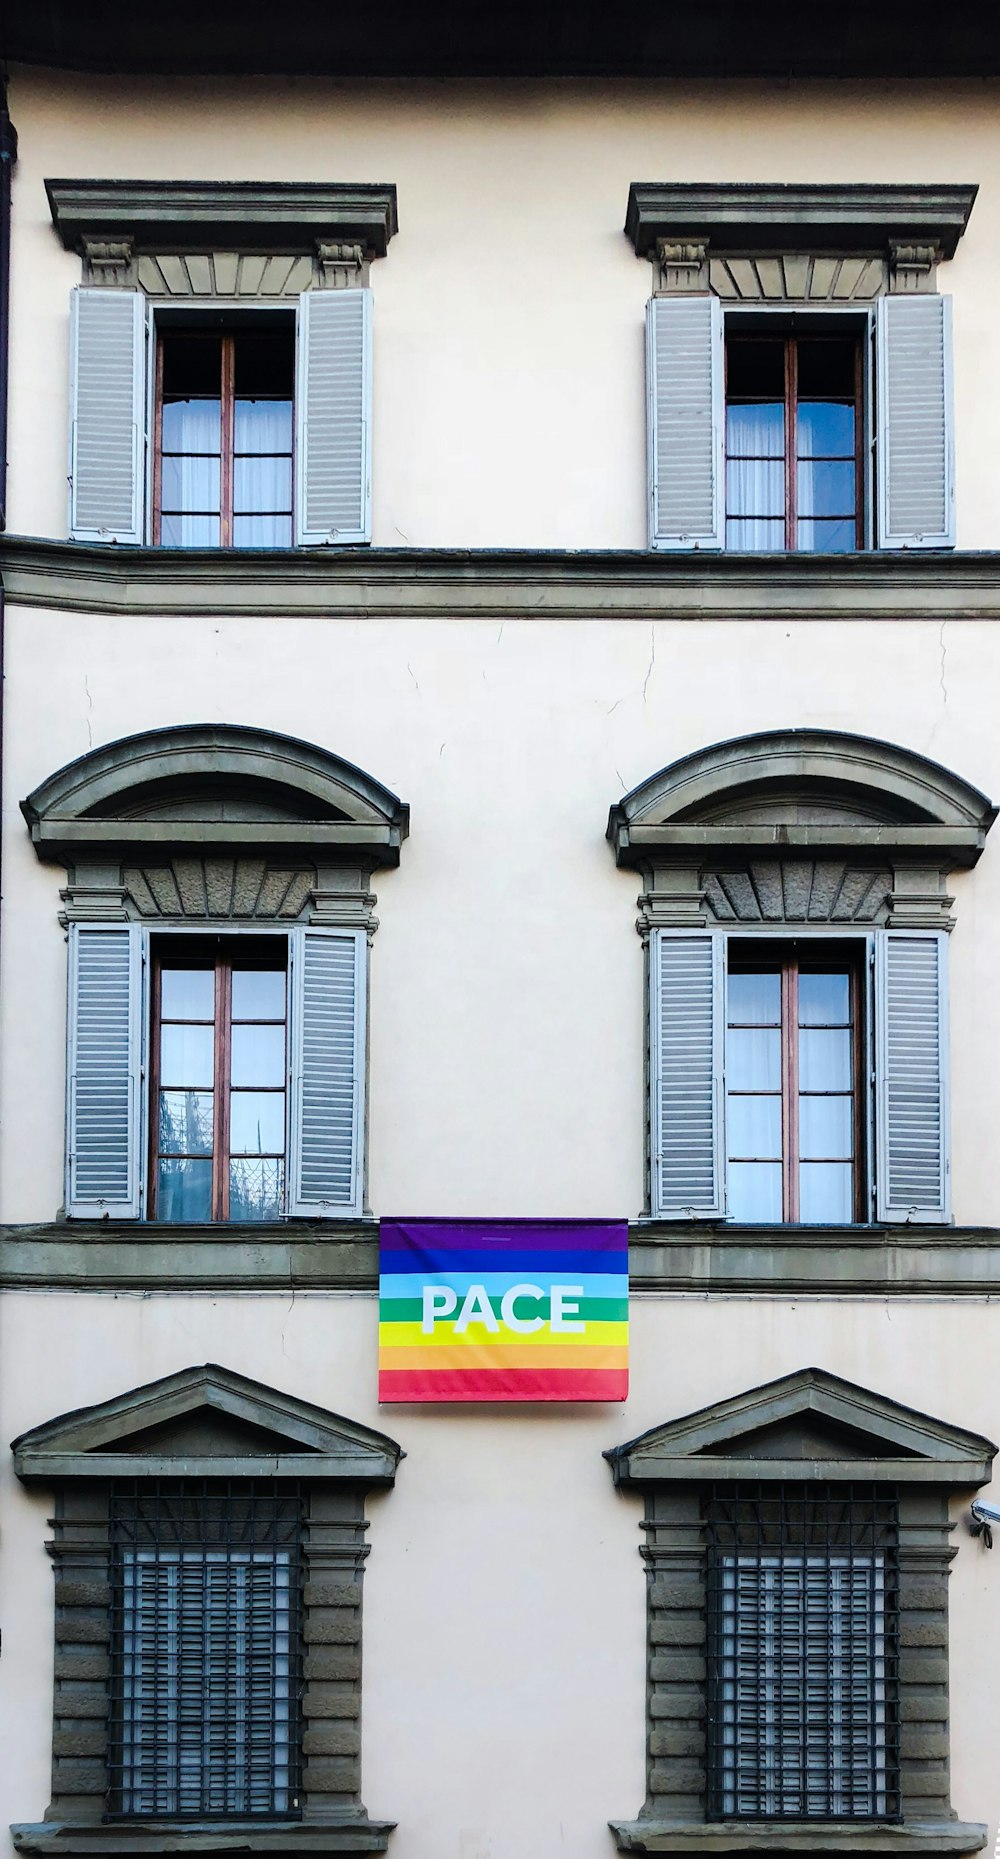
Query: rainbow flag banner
[[503, 1310]]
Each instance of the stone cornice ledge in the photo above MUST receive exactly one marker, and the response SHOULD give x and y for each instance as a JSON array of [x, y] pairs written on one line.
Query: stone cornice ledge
[[267, 216], [497, 584], [342, 1255], [354, 1834], [862, 1840], [767, 216]]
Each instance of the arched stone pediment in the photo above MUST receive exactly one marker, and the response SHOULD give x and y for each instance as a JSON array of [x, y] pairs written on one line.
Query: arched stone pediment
[[209, 783], [800, 826], [802, 789], [216, 822]]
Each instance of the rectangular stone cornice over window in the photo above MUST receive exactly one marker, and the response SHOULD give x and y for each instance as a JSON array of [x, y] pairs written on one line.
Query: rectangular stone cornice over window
[[752, 216], [266, 216]]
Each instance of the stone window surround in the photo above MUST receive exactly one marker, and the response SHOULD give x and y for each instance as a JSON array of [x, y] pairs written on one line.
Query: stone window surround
[[208, 240], [795, 831], [883, 1443], [781, 243], [207, 1422]]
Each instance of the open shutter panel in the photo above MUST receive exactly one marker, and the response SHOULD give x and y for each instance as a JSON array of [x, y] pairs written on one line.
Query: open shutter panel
[[334, 393], [687, 1024], [684, 384], [107, 464], [914, 440], [911, 1071], [328, 1071], [103, 1119]]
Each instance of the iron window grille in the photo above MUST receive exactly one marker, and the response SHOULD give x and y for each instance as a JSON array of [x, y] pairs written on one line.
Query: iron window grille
[[803, 1679], [206, 1649]]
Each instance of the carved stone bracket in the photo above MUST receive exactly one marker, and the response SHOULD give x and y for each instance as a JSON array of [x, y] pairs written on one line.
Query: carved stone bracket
[[683, 265], [913, 267], [108, 262], [340, 265]]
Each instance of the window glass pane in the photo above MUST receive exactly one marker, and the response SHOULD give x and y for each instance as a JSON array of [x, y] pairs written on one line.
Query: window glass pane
[[754, 1191], [754, 1000], [264, 484], [753, 1060], [258, 994], [824, 430], [828, 538], [192, 363], [187, 1056], [190, 484], [826, 489], [187, 993], [826, 1127], [257, 1122], [753, 1126], [262, 532], [265, 363], [192, 426], [189, 532], [755, 431], [263, 426], [184, 1190], [258, 1055], [826, 368], [825, 1191], [755, 488], [256, 1190], [824, 1061], [743, 533], [185, 1126], [755, 368], [824, 1000]]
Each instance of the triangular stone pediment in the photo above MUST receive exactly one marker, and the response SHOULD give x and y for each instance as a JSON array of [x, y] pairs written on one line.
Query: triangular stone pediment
[[205, 1421], [807, 1425]]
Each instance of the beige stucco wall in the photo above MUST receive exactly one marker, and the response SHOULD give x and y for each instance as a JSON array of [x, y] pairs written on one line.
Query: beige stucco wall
[[506, 1023], [509, 406], [504, 1605]]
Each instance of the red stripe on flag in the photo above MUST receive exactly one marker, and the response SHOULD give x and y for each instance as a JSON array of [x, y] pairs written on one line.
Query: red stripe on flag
[[523, 1384]]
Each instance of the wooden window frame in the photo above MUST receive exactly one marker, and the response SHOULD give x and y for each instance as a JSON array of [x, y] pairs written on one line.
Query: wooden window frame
[[791, 339], [788, 958], [226, 959], [227, 436]]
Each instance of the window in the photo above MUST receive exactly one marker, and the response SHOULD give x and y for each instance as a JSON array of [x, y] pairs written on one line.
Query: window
[[794, 1082], [796, 1548], [260, 431], [206, 1665], [793, 442], [219, 914], [795, 914], [256, 1100], [802, 1689], [759, 425], [218, 1095], [223, 430], [208, 1628], [759, 1069]]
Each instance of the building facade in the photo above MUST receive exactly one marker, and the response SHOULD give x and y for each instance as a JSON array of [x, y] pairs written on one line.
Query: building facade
[[444, 568]]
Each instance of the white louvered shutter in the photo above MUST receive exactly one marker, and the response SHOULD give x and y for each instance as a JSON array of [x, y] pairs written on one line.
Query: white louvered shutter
[[914, 440], [333, 401], [911, 1073], [104, 1071], [107, 451], [684, 386], [328, 999], [687, 1031]]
